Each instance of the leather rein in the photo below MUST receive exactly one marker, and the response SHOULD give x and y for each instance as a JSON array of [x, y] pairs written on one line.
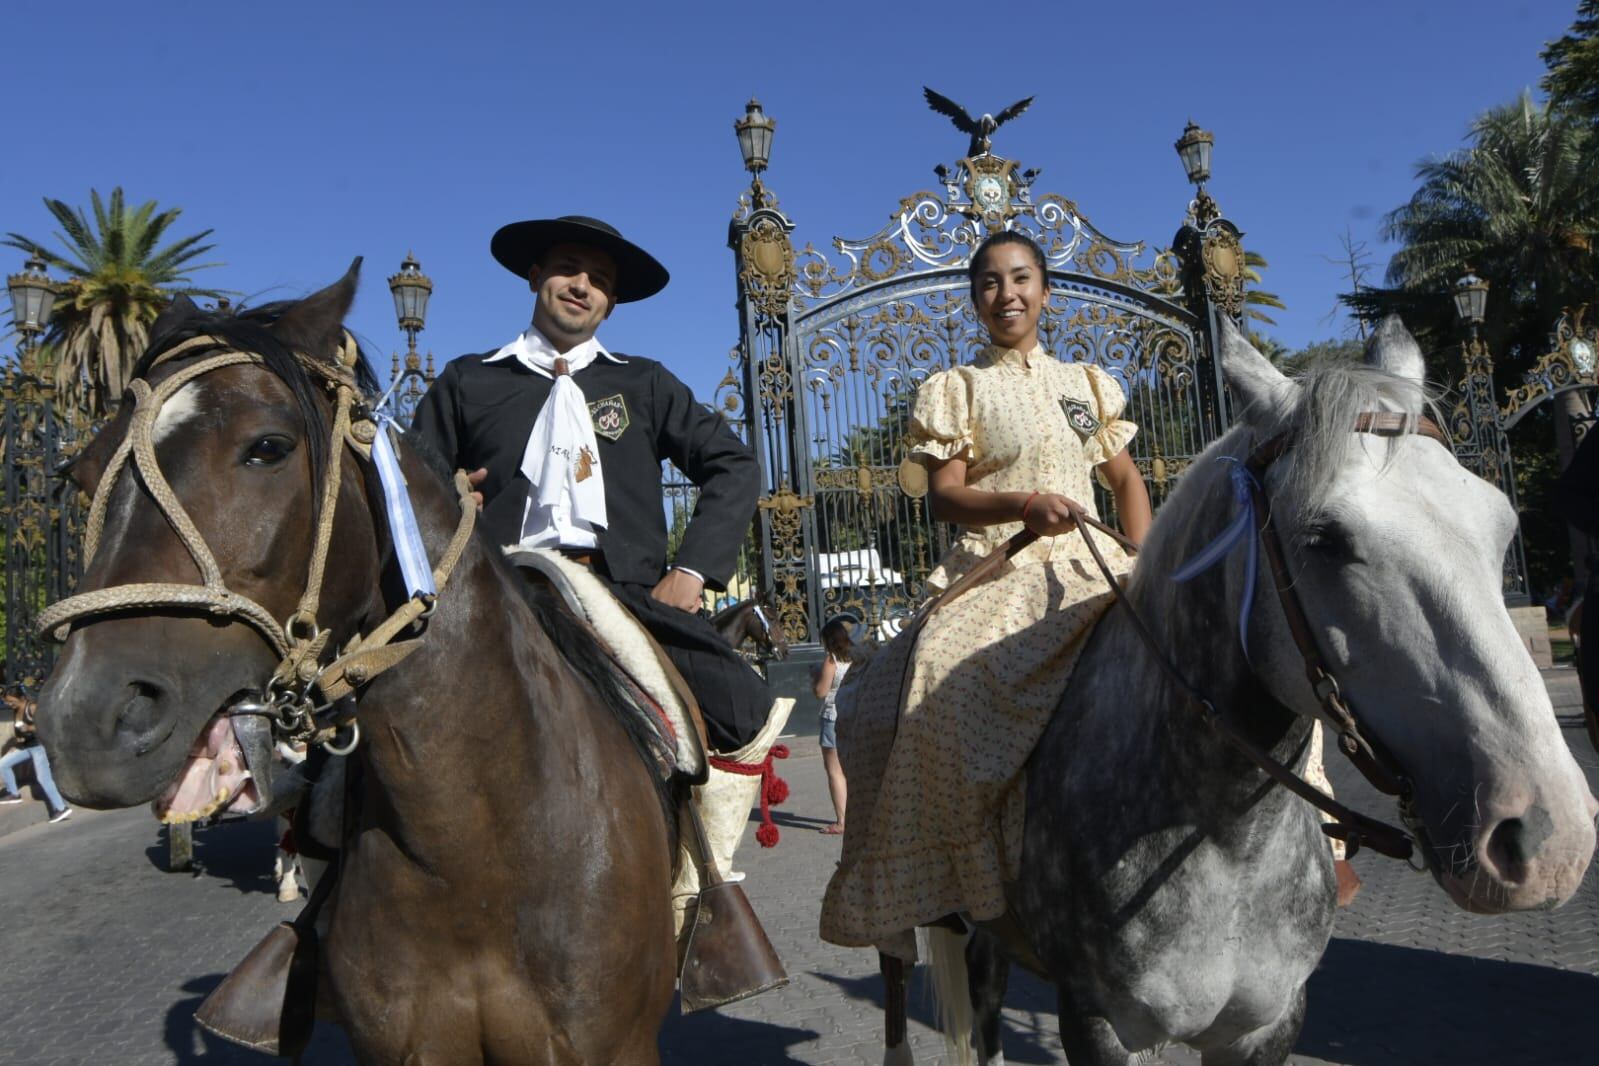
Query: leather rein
[[1374, 762], [300, 697]]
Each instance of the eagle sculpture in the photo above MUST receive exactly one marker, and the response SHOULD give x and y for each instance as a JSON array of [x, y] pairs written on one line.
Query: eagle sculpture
[[981, 129]]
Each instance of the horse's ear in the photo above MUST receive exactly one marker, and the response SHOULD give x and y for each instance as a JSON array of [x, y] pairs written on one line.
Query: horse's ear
[[315, 325], [173, 315], [1254, 381], [1393, 349]]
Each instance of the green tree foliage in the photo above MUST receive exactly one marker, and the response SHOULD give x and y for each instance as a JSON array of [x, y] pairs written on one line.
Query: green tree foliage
[[1573, 61], [1520, 207], [118, 280], [1255, 297]]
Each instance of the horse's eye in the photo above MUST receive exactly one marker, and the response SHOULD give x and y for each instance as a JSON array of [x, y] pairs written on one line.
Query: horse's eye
[[1327, 538], [266, 451]]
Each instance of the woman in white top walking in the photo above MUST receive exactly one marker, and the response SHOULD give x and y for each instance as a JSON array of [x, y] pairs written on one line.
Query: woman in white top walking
[[829, 675]]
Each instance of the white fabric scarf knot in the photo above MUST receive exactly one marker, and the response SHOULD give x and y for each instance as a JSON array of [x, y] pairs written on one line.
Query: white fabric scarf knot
[[562, 459]]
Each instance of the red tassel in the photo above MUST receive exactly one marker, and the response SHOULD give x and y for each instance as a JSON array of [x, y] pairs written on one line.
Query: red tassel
[[774, 789]]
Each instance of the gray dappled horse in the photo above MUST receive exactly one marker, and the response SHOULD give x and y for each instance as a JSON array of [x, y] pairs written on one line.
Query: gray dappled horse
[[1168, 888], [505, 885]]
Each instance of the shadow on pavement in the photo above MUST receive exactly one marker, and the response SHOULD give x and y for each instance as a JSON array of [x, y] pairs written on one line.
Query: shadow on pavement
[[237, 852], [1025, 993], [711, 1038], [1376, 1003], [793, 821]]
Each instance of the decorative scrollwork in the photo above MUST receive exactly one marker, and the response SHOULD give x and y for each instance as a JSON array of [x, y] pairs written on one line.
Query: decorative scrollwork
[[933, 231], [768, 267], [1569, 364], [1223, 257], [783, 509]]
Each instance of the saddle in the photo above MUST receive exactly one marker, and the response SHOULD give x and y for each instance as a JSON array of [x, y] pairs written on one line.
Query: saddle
[[662, 696]]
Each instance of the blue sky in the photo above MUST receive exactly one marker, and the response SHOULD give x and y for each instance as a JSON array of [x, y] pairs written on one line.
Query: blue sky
[[305, 134]]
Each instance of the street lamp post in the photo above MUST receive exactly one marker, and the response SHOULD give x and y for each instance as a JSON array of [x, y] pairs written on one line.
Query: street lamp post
[[411, 289], [33, 297], [1471, 301], [1484, 448], [755, 131], [1194, 148]]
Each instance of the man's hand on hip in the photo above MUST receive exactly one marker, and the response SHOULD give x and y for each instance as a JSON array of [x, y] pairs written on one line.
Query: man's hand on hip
[[680, 590]]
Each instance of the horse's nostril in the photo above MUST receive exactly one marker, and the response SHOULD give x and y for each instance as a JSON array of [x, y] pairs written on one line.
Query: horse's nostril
[[1514, 844], [141, 715]]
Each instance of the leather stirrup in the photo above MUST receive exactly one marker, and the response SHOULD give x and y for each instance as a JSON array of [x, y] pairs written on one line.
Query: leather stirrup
[[268, 1002], [728, 956]]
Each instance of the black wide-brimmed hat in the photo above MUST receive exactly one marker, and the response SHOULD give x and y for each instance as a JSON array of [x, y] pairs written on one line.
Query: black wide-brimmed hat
[[520, 245]]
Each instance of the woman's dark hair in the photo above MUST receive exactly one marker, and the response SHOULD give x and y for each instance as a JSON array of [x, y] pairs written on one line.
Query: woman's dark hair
[[836, 639], [993, 240]]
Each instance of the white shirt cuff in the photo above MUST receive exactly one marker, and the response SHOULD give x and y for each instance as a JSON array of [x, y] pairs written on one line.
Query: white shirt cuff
[[691, 573]]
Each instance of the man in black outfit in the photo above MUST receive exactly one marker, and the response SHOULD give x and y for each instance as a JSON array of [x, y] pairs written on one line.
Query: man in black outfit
[[502, 415]]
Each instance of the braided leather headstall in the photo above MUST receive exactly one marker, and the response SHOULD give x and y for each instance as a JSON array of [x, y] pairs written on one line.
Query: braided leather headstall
[[302, 690]]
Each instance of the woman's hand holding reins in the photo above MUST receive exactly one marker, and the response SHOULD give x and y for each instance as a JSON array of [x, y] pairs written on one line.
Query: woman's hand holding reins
[[1048, 514]]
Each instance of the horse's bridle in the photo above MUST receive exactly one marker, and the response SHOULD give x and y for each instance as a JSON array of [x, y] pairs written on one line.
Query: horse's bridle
[[301, 689], [1374, 761]]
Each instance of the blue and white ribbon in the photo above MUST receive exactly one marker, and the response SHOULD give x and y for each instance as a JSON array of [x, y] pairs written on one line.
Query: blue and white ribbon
[[414, 565], [1240, 530]]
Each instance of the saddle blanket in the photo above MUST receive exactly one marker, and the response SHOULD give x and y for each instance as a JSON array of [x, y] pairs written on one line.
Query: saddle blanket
[[627, 641]]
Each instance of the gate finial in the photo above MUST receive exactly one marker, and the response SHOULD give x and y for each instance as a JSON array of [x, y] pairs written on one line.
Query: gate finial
[[982, 129]]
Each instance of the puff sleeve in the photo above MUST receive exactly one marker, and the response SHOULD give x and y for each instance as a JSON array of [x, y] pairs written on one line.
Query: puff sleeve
[[941, 421], [1114, 434]]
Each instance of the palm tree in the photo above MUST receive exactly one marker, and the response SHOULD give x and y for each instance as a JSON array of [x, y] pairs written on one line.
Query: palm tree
[[1520, 207], [118, 282], [1254, 298]]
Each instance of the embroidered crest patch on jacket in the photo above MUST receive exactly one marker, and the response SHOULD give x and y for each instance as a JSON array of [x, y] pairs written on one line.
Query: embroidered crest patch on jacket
[[1080, 417], [609, 416]]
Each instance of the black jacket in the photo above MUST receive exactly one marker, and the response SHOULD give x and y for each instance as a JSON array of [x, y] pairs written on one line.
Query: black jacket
[[479, 414]]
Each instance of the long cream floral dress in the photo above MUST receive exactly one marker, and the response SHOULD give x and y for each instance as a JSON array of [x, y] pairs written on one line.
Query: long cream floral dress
[[936, 797]]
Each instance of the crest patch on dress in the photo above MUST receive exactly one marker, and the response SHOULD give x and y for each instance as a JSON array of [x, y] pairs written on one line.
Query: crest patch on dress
[[1080, 417], [609, 416]]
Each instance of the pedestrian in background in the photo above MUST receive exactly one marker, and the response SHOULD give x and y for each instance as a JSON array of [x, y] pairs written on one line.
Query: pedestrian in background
[[829, 675], [27, 747]]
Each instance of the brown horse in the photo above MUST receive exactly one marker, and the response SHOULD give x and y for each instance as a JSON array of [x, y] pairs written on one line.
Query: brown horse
[[751, 620], [504, 893]]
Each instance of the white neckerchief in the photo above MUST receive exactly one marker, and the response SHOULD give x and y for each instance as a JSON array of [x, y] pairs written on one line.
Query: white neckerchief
[[566, 503]]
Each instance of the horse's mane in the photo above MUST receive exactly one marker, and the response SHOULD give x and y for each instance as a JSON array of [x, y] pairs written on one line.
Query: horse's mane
[[1319, 414], [249, 331]]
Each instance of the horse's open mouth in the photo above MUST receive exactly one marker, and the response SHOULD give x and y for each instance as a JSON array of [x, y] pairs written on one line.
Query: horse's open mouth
[[216, 778]]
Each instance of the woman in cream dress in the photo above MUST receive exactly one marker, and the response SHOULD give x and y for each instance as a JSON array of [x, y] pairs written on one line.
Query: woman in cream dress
[[934, 748]]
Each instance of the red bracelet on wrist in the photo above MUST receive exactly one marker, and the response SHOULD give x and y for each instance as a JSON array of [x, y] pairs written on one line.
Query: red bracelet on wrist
[[1028, 504]]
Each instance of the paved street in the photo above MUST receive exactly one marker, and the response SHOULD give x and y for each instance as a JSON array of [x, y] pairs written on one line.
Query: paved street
[[106, 956]]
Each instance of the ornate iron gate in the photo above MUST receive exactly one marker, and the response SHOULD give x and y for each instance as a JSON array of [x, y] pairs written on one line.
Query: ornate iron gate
[[832, 349], [42, 513], [1480, 425]]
